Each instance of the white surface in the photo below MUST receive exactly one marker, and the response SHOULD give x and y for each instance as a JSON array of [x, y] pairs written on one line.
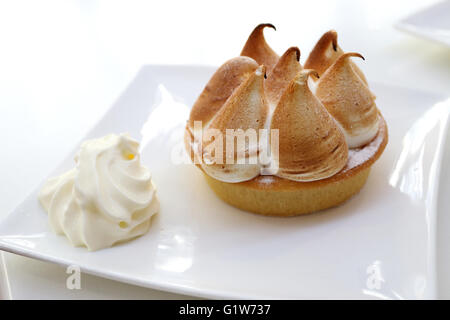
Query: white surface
[[5, 291], [66, 62], [431, 23], [201, 246]]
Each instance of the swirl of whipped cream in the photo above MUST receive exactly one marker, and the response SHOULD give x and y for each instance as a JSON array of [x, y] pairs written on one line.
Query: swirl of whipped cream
[[107, 198]]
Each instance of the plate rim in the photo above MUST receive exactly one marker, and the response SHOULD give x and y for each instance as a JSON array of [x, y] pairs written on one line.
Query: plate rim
[[405, 25]]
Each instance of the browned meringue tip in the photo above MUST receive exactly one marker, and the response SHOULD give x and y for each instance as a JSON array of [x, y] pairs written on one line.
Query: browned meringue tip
[[264, 25], [289, 52], [343, 58], [257, 48], [332, 35], [324, 53], [327, 37], [358, 71], [283, 72], [321, 45], [351, 54], [293, 49], [303, 75]]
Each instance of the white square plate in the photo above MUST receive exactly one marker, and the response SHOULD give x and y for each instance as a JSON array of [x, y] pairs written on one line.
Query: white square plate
[[432, 23], [379, 244]]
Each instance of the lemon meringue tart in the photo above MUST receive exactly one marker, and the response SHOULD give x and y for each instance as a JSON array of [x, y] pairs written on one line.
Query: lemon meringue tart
[[276, 138]]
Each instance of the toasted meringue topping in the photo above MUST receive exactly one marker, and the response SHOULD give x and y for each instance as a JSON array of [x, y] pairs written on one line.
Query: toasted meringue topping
[[325, 53], [220, 87], [311, 145], [245, 109], [317, 121], [287, 67], [257, 48], [349, 101]]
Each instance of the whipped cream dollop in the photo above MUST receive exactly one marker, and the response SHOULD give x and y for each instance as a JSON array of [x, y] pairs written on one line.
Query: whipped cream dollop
[[107, 198]]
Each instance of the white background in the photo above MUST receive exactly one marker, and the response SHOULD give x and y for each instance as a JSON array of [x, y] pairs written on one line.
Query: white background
[[63, 63]]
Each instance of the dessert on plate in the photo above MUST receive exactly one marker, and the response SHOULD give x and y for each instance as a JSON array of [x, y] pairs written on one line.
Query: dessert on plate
[[277, 138], [107, 198]]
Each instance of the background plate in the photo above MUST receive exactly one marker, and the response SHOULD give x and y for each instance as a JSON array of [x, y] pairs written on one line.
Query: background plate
[[432, 23], [379, 244]]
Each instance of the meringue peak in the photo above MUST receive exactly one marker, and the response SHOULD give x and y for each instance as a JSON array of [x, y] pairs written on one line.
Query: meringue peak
[[287, 67], [245, 109], [311, 145], [351, 54], [302, 77], [349, 100], [326, 52], [220, 87], [257, 48]]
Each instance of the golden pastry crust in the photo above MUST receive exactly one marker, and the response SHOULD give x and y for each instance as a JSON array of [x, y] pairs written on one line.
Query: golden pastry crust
[[271, 195]]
